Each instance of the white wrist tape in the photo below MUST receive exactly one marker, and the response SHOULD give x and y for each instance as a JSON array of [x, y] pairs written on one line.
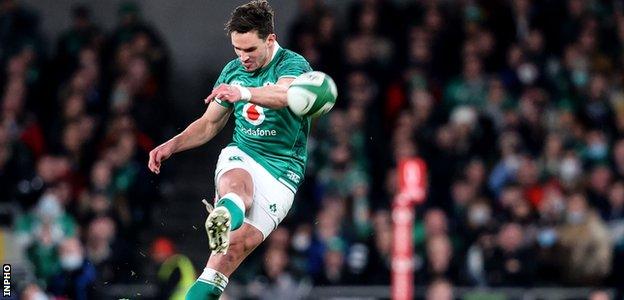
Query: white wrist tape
[[245, 93]]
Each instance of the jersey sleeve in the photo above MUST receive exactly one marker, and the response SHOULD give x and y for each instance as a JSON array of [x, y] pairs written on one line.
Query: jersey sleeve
[[222, 79], [292, 66]]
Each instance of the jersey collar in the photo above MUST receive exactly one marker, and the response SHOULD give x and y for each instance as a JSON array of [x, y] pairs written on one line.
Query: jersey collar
[[276, 48]]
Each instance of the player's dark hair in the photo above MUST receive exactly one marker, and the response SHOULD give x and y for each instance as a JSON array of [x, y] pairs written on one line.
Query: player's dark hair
[[255, 15]]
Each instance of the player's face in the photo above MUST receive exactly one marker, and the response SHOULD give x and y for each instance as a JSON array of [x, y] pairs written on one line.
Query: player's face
[[252, 51]]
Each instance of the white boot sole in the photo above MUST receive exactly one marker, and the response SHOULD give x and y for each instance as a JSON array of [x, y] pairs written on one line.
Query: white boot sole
[[218, 229]]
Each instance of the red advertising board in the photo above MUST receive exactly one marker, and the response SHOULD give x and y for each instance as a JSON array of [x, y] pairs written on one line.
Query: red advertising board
[[412, 177]]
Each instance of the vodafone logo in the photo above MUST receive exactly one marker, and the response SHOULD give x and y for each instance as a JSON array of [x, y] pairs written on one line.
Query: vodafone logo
[[254, 114]]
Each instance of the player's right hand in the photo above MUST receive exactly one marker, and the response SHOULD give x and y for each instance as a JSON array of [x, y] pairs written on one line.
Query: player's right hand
[[224, 92], [157, 156]]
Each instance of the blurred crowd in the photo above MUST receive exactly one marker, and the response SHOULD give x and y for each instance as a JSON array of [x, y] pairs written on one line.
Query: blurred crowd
[[76, 123], [516, 106]]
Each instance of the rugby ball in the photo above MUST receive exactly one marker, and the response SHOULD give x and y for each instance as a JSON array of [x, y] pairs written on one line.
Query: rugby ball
[[312, 94]]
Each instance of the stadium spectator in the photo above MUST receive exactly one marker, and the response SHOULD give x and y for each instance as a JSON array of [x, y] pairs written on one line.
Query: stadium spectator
[[76, 279], [20, 27], [440, 289], [587, 246], [517, 108], [274, 280], [439, 261], [510, 263], [41, 231], [83, 34]]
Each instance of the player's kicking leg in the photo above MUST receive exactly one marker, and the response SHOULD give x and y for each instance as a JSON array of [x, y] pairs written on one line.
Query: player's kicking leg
[[236, 188], [230, 240]]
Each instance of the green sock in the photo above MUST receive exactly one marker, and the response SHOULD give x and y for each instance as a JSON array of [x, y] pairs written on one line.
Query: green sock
[[209, 286], [235, 205], [203, 290]]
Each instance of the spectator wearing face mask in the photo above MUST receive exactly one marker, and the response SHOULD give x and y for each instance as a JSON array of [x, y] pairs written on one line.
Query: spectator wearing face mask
[[77, 276], [551, 212], [48, 219], [40, 231], [586, 244], [480, 233]]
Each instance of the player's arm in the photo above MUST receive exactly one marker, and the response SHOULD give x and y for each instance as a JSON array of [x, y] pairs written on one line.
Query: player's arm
[[196, 134], [270, 96]]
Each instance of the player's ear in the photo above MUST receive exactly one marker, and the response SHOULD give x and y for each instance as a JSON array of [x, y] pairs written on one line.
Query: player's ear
[[271, 39]]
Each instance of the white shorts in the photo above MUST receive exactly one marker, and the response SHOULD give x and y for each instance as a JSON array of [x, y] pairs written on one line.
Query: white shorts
[[271, 199]]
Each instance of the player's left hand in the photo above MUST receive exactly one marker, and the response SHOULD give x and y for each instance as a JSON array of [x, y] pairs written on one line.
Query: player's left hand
[[224, 92]]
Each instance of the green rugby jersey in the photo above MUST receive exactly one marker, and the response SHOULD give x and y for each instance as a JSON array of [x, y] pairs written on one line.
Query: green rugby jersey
[[275, 138]]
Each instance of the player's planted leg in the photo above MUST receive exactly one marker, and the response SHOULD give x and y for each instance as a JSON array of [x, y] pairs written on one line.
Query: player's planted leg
[[213, 280], [209, 286]]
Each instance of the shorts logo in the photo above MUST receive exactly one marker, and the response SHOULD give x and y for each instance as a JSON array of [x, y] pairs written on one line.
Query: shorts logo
[[273, 208], [292, 176], [236, 157], [254, 114]]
